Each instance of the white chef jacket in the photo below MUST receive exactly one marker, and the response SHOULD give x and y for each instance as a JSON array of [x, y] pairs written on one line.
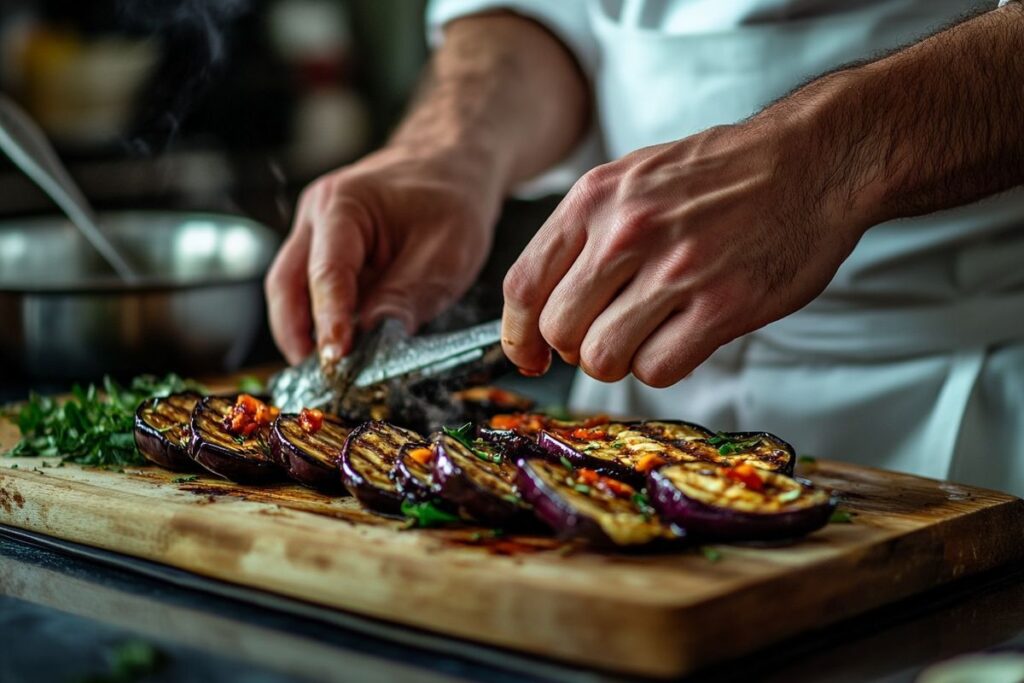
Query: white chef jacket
[[913, 357]]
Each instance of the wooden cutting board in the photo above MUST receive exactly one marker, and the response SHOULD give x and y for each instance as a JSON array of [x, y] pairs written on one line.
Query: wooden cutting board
[[657, 615]]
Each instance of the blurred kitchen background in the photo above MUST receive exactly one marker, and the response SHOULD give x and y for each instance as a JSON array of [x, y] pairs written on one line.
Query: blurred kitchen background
[[229, 106]]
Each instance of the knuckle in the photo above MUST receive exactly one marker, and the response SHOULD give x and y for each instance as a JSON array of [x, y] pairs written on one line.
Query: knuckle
[[653, 372], [589, 190], [516, 285], [598, 361], [557, 334]]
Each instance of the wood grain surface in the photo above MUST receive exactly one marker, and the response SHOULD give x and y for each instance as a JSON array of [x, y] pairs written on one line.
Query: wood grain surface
[[657, 615]]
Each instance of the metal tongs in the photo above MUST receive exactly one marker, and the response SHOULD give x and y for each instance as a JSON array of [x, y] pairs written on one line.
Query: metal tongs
[[385, 362]]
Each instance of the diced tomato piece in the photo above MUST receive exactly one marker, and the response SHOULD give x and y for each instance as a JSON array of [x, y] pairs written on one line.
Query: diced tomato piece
[[311, 420], [422, 455], [747, 475], [587, 476], [596, 420], [585, 434], [648, 461], [616, 488], [506, 421]]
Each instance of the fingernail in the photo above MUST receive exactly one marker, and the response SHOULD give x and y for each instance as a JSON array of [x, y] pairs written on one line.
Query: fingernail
[[330, 354], [526, 372]]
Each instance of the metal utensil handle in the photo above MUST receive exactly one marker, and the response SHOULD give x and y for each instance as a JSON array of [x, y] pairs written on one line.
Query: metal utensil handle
[[28, 148]]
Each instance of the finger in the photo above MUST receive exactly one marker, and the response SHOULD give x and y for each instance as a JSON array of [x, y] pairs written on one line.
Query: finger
[[591, 283], [614, 337], [337, 254], [287, 295], [529, 283], [679, 345], [414, 289]]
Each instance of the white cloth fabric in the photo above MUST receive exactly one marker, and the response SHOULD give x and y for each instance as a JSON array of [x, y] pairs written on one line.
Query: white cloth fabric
[[913, 357]]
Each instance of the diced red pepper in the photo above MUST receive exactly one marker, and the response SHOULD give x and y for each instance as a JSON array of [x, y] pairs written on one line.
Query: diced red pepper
[[248, 415], [422, 455], [311, 420], [648, 461], [747, 475], [585, 434]]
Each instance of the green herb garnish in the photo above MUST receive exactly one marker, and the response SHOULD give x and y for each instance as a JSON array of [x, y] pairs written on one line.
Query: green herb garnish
[[841, 517], [463, 436], [728, 445], [566, 463], [426, 514], [249, 384], [581, 488], [92, 427], [130, 661], [642, 501], [710, 554], [185, 479]]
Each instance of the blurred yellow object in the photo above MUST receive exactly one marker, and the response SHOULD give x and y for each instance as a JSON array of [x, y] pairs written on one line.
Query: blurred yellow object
[[82, 92]]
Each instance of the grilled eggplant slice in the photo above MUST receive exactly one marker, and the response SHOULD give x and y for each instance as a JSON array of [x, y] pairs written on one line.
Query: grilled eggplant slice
[[629, 450], [477, 479], [737, 503], [245, 459], [162, 430], [760, 449], [367, 459], [413, 472], [616, 449], [515, 434], [582, 504], [310, 456]]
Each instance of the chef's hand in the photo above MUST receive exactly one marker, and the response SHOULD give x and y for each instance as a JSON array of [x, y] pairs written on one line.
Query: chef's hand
[[399, 234], [405, 231], [653, 261]]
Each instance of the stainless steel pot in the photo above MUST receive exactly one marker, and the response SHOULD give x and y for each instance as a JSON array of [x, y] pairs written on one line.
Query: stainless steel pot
[[199, 307]]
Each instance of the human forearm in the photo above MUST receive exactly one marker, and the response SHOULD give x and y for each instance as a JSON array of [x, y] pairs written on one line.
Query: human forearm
[[933, 126], [501, 94]]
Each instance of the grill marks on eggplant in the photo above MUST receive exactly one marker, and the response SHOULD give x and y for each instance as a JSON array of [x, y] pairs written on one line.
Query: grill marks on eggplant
[[162, 430], [367, 459], [245, 460], [619, 452], [625, 449], [588, 512], [322, 446], [311, 458], [483, 487], [706, 501]]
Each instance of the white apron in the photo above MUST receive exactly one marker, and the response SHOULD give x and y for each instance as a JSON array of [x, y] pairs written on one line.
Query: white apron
[[912, 359]]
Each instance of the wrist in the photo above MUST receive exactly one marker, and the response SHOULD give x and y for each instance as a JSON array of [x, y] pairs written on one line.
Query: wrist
[[830, 140]]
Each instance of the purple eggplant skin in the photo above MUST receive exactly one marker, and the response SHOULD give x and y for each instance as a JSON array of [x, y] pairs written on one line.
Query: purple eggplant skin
[[512, 444], [310, 459], [162, 428], [555, 448], [413, 479], [572, 514], [719, 522], [246, 461], [482, 489], [367, 458]]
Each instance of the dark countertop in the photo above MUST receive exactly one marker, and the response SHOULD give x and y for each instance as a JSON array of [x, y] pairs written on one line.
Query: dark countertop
[[62, 616]]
